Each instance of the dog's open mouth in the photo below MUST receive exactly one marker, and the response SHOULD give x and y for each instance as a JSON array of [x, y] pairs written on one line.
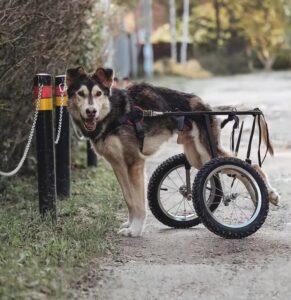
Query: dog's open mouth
[[90, 124]]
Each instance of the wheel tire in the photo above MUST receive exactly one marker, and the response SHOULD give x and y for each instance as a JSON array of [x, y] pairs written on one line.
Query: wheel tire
[[207, 218], [153, 193]]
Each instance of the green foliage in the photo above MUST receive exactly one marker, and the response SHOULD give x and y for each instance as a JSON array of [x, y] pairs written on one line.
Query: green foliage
[[260, 28], [39, 36], [283, 60], [264, 30], [40, 259]]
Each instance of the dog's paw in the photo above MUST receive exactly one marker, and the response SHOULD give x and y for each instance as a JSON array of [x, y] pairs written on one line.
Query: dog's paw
[[125, 225], [274, 197], [135, 229], [130, 232], [124, 232]]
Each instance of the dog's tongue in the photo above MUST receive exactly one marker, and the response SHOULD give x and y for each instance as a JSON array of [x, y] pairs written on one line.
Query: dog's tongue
[[90, 124]]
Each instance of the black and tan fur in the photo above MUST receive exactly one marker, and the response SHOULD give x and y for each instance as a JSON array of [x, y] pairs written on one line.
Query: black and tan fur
[[120, 146]]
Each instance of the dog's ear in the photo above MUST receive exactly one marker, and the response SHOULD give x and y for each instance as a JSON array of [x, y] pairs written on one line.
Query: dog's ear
[[73, 74], [104, 76]]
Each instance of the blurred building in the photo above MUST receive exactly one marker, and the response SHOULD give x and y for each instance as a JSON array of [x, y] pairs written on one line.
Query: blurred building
[[128, 57]]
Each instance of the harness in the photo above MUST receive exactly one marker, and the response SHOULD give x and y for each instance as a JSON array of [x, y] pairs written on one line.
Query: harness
[[134, 117], [233, 117]]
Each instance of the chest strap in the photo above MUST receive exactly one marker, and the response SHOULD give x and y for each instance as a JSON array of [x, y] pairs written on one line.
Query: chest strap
[[133, 118]]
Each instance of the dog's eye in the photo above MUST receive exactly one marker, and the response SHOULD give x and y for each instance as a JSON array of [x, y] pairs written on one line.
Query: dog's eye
[[98, 93], [81, 94]]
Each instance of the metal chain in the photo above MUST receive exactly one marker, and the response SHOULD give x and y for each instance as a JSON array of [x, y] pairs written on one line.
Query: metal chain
[[27, 147], [79, 135], [62, 88]]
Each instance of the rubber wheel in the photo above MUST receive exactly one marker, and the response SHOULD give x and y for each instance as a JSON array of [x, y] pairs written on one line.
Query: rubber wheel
[[154, 190], [207, 217]]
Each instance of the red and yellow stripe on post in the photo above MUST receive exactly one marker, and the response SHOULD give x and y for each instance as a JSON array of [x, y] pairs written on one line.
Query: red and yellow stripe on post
[[59, 89], [46, 100]]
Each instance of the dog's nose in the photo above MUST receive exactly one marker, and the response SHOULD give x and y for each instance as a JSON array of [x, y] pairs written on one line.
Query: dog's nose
[[90, 112]]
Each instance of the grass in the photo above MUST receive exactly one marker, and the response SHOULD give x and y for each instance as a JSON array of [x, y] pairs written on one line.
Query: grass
[[42, 260]]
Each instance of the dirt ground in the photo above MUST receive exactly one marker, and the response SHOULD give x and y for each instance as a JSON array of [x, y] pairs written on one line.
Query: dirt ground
[[194, 263]]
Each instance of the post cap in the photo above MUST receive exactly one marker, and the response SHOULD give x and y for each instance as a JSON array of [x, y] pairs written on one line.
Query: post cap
[[42, 78]]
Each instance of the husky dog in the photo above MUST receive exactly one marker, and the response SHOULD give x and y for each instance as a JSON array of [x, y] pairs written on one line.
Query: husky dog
[[96, 107]]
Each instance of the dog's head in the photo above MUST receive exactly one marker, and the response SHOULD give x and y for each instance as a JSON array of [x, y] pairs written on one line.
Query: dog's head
[[89, 96]]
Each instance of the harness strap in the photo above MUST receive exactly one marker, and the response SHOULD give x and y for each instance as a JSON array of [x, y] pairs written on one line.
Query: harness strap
[[260, 141], [232, 139], [260, 160], [250, 141], [180, 122], [239, 138], [231, 117], [133, 118]]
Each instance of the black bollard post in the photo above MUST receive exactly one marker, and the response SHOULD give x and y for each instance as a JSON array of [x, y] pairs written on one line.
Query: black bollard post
[[91, 156], [45, 144], [62, 130]]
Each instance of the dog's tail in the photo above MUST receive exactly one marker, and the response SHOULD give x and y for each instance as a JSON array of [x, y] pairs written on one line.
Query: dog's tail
[[261, 123], [265, 133]]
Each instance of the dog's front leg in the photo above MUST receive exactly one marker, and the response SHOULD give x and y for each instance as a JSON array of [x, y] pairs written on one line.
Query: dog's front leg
[[121, 173], [136, 176], [131, 180]]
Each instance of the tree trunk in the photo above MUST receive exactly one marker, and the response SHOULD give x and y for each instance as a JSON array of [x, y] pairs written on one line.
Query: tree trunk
[[216, 5], [172, 5], [268, 63], [250, 58], [266, 59], [109, 50], [185, 31]]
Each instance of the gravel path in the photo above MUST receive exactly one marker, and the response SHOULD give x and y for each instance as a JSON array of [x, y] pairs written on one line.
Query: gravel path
[[194, 263]]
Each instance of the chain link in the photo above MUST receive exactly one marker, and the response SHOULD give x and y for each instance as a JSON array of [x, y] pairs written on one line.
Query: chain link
[[27, 147], [78, 135], [62, 88]]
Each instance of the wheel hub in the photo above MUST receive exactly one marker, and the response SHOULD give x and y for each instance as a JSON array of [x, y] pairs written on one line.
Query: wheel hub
[[230, 197], [183, 192]]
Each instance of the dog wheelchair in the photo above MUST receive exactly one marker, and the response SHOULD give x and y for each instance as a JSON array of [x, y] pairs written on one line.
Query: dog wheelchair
[[227, 195]]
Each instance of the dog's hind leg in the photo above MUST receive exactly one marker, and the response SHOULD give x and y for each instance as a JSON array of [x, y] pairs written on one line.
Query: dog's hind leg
[[196, 152], [192, 154], [273, 195]]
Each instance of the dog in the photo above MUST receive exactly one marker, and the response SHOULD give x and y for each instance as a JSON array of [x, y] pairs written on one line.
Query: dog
[[96, 107]]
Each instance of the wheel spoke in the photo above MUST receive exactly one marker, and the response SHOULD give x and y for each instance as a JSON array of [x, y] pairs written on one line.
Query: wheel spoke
[[169, 187], [179, 207], [241, 210], [183, 182], [165, 200], [236, 192], [190, 206], [173, 181], [174, 206]]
